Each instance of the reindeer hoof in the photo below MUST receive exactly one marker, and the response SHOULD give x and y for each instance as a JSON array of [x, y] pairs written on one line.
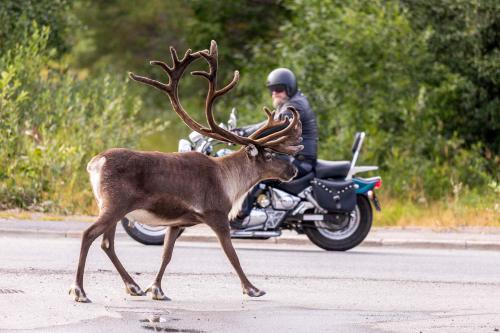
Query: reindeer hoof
[[254, 292], [78, 294], [134, 290], [156, 293]]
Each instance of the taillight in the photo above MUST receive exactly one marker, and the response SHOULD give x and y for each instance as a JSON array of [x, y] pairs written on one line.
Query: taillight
[[378, 184]]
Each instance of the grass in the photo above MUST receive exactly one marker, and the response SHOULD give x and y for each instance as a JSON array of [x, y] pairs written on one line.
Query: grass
[[16, 214], [468, 211], [19, 214]]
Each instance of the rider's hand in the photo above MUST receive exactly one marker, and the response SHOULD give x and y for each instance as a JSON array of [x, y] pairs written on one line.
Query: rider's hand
[[238, 131]]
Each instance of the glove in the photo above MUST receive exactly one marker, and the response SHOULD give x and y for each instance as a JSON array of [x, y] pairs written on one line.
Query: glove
[[238, 131]]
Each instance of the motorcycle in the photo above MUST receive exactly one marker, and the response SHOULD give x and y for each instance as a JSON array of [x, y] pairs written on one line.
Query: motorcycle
[[331, 205]]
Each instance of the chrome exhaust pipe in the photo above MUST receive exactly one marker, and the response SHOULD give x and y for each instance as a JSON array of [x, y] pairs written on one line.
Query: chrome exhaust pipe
[[254, 234], [313, 217]]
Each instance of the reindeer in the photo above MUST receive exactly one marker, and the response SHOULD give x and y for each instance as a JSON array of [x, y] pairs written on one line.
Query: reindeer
[[179, 190]]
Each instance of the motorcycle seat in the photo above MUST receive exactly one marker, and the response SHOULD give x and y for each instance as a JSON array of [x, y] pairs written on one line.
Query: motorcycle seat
[[297, 185], [332, 169]]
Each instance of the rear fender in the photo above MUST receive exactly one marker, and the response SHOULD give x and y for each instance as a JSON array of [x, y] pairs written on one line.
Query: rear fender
[[365, 184]]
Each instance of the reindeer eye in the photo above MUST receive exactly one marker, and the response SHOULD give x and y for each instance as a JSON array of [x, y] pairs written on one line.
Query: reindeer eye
[[268, 156]]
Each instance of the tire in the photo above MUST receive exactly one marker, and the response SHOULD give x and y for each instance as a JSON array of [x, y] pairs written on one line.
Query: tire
[[143, 233], [351, 236]]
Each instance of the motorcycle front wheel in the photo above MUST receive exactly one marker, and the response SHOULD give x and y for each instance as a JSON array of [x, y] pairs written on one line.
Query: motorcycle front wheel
[[348, 237], [143, 233]]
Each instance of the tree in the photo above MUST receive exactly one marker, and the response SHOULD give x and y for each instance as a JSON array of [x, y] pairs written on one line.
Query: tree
[[237, 26], [123, 35], [364, 67], [17, 18], [465, 37]]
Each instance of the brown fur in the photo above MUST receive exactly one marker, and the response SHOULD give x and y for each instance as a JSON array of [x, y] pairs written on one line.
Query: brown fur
[[181, 190]]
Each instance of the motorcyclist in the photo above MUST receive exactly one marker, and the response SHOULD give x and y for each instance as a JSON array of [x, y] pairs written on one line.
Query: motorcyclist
[[282, 85]]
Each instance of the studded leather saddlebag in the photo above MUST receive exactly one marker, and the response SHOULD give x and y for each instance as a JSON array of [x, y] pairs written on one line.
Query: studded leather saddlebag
[[334, 196]]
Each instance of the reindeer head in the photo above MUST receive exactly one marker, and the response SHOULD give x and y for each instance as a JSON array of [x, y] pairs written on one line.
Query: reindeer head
[[275, 156], [270, 151]]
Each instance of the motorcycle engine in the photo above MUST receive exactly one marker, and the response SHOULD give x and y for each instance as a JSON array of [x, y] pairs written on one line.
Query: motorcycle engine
[[271, 208], [263, 200], [282, 200]]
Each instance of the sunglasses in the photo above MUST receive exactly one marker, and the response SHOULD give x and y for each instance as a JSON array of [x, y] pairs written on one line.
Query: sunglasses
[[277, 89]]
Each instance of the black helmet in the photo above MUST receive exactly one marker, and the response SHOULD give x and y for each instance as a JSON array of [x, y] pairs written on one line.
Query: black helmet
[[283, 77]]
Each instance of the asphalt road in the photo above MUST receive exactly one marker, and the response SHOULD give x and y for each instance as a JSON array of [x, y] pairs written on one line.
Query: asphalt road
[[308, 290]]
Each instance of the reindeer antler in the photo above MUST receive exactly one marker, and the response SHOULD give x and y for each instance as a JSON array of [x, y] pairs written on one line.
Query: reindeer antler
[[273, 141], [172, 88]]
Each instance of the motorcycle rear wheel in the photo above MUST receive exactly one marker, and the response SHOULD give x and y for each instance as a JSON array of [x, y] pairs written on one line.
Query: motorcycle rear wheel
[[345, 239]]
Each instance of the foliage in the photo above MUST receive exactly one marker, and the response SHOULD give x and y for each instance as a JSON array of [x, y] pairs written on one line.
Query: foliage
[[125, 35], [364, 67], [420, 77], [17, 18], [146, 32], [464, 36], [243, 29], [52, 123], [237, 26]]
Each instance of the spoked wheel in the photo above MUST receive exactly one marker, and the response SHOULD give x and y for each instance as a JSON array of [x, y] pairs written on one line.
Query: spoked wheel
[[145, 234], [351, 235]]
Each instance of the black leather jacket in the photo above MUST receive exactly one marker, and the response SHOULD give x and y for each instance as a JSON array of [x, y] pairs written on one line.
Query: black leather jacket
[[309, 124]]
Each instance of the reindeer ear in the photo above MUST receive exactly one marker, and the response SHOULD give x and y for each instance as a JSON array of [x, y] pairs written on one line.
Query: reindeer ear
[[252, 150]]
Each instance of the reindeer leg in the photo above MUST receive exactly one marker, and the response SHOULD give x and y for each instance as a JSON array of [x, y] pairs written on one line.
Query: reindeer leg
[[170, 238], [108, 245], [223, 234], [104, 221]]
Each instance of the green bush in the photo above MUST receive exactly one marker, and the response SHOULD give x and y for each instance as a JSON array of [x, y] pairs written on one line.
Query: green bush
[[52, 123], [365, 68], [420, 77], [17, 18]]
